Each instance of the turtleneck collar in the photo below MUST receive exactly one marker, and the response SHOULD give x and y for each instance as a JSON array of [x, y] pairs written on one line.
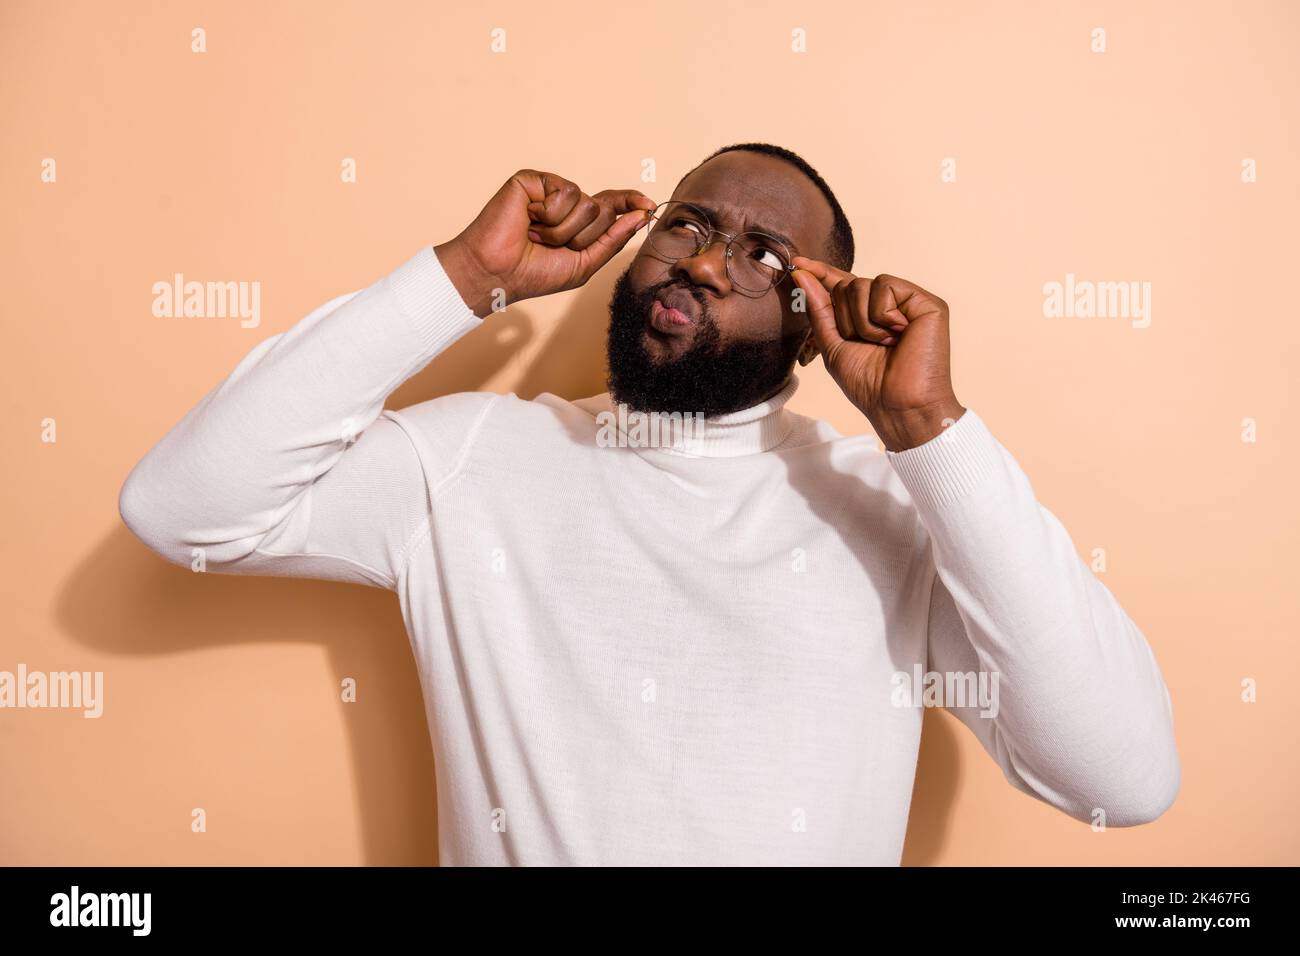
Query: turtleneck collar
[[755, 429]]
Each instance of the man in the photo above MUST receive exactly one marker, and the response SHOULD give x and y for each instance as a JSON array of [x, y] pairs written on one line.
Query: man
[[708, 649]]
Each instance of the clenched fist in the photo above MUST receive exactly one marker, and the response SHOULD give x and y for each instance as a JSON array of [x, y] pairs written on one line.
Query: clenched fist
[[539, 234], [885, 342]]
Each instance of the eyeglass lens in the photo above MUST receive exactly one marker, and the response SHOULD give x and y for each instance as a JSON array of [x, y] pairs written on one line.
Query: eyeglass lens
[[756, 261]]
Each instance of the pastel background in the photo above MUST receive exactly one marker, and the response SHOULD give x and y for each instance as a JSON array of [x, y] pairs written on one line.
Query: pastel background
[[1123, 165]]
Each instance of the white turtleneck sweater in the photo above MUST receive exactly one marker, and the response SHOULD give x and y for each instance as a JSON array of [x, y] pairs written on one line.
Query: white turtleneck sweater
[[690, 655]]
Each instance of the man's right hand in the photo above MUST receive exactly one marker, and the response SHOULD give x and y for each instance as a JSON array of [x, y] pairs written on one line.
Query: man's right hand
[[539, 234]]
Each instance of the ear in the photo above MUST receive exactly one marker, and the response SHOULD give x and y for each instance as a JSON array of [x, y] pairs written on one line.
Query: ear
[[807, 351]]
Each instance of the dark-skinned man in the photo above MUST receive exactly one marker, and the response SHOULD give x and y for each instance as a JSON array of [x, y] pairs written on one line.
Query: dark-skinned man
[[705, 642]]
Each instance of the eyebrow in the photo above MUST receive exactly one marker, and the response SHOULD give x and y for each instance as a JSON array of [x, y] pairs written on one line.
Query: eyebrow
[[716, 216]]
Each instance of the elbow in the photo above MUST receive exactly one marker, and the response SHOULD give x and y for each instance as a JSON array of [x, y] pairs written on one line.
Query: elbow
[[1157, 777], [1144, 783], [1113, 800], [145, 517], [1116, 789], [182, 526], [1148, 796], [1148, 808]]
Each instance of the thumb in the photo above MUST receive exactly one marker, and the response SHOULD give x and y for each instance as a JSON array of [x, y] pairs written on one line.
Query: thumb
[[821, 313], [615, 238]]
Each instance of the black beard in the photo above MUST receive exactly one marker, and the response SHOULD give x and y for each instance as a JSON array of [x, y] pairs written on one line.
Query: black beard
[[709, 378]]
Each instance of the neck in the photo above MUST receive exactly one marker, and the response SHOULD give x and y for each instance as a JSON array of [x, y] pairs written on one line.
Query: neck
[[758, 428]]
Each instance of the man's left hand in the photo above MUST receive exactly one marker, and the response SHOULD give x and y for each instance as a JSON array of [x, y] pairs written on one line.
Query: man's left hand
[[885, 342]]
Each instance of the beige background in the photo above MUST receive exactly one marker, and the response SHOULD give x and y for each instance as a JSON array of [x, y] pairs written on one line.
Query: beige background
[[222, 693]]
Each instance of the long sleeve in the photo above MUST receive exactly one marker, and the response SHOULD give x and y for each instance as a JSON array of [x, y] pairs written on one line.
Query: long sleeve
[[1083, 720], [290, 466]]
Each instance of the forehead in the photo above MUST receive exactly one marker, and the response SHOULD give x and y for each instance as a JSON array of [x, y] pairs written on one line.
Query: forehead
[[753, 191]]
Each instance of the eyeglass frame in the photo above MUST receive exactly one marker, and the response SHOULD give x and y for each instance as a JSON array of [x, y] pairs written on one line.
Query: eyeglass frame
[[707, 240]]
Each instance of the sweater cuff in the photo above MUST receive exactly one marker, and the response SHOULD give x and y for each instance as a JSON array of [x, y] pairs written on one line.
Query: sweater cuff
[[949, 465], [426, 295]]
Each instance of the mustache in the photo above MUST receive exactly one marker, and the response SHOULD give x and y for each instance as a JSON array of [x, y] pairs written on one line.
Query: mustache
[[691, 290]]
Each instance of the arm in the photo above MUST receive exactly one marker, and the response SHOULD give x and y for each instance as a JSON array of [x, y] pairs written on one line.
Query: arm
[[287, 467], [1084, 719], [267, 474]]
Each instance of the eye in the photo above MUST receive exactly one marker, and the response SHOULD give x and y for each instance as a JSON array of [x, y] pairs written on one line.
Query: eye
[[767, 257], [683, 223]]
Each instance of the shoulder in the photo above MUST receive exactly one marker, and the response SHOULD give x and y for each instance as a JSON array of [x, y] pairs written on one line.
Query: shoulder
[[853, 471], [454, 412], [501, 420]]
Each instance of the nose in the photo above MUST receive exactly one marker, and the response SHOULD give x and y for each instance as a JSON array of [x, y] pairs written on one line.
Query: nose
[[708, 267]]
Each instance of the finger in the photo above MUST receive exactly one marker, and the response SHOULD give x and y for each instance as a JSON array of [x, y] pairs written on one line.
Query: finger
[[824, 272], [851, 301], [844, 310], [595, 229], [883, 306], [625, 200], [830, 279], [585, 211], [821, 312], [612, 203], [858, 296], [558, 199], [608, 244]]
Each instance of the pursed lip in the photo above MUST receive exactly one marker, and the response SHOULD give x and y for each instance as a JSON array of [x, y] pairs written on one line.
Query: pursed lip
[[674, 310]]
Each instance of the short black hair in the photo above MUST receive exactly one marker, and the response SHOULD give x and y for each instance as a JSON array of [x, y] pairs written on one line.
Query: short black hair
[[840, 244]]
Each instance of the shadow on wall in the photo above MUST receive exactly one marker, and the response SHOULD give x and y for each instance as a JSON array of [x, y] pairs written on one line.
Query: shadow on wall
[[571, 364], [938, 774], [121, 599]]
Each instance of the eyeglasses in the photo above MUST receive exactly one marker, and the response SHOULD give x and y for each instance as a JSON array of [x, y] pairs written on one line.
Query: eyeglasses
[[755, 261]]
